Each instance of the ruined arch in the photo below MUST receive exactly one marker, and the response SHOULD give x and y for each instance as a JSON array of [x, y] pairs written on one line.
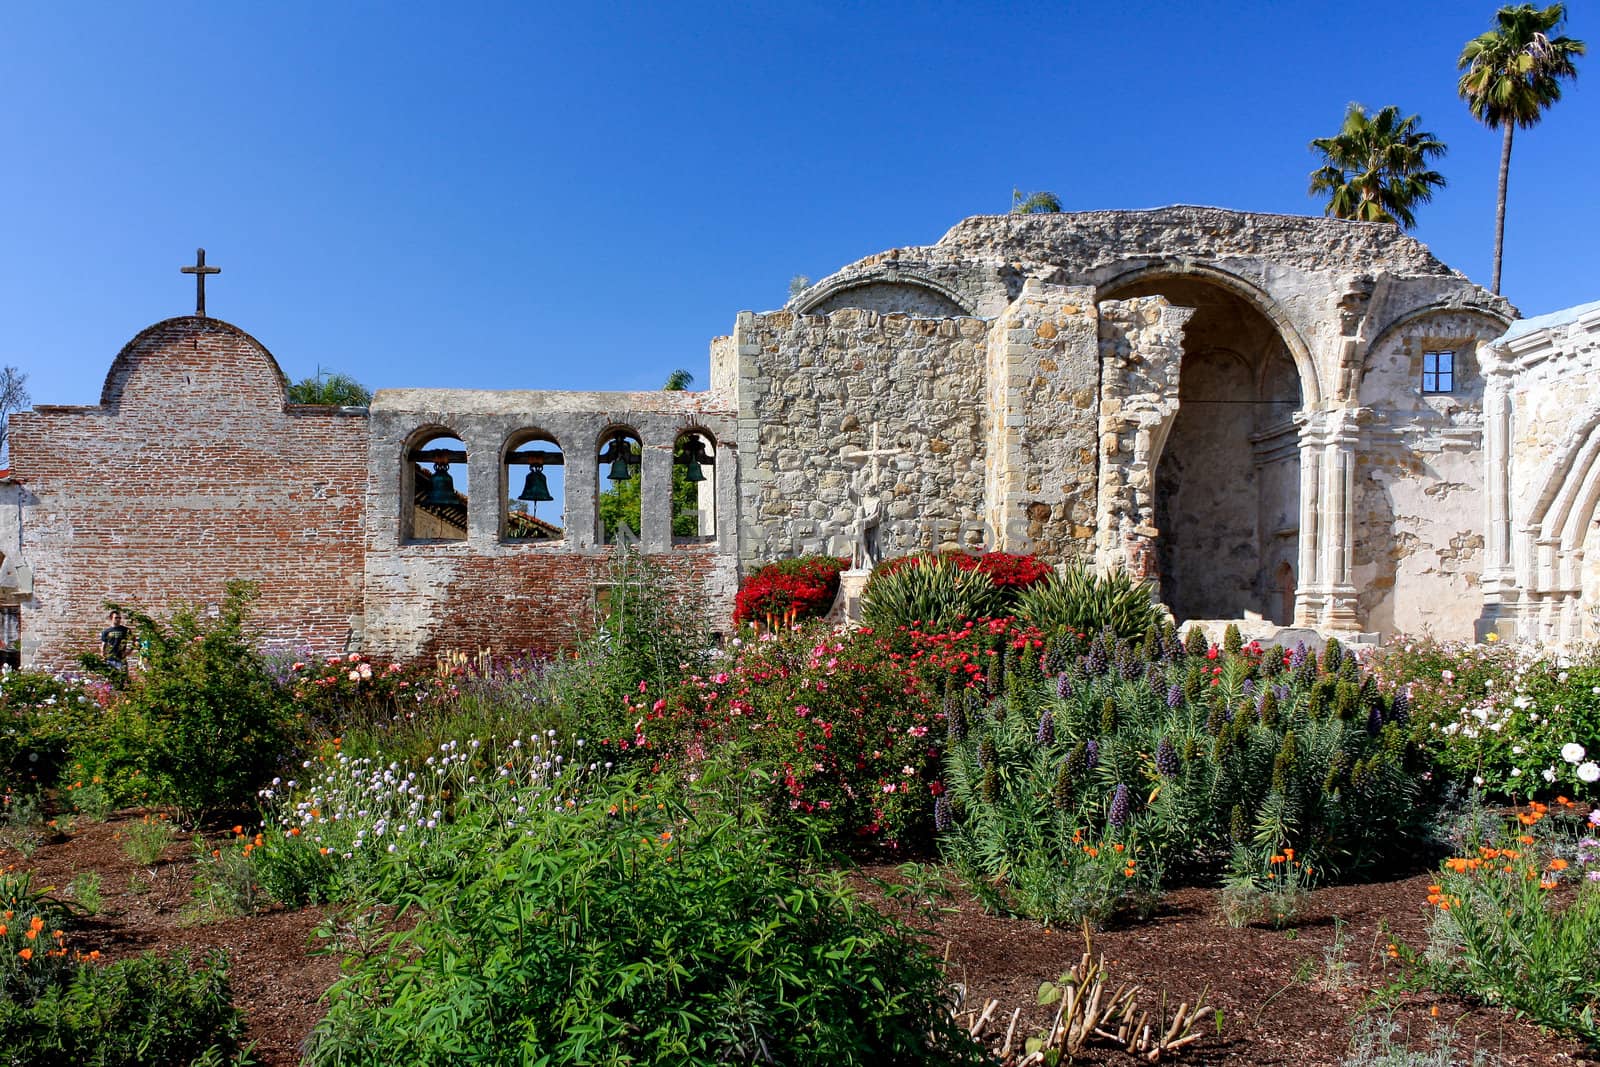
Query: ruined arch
[[1138, 280], [887, 294], [1227, 469]]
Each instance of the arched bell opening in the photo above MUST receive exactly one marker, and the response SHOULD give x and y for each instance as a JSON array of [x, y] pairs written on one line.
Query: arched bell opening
[[618, 488], [694, 487], [434, 488], [533, 474]]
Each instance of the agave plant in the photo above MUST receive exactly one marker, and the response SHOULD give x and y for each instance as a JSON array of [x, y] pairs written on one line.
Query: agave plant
[[935, 595], [1080, 600]]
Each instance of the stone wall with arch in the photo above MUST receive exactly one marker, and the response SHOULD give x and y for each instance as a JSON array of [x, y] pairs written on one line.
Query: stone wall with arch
[[1418, 550]]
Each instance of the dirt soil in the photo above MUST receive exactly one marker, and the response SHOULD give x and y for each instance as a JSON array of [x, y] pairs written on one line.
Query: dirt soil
[[1281, 1002]]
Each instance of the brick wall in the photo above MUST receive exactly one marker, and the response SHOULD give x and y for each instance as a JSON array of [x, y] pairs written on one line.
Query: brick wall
[[190, 472]]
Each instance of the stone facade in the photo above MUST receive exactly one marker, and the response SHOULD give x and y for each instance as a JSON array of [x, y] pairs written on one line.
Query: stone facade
[[1541, 572], [1229, 404]]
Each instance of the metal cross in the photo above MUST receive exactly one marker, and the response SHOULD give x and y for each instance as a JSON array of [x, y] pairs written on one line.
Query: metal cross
[[200, 270]]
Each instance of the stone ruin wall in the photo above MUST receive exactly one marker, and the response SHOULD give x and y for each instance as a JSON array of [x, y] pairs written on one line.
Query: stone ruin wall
[[812, 387], [1043, 385], [1543, 427], [191, 472], [1418, 553], [422, 597]]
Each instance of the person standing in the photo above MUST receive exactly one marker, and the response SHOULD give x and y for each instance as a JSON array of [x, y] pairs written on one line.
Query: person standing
[[113, 643]]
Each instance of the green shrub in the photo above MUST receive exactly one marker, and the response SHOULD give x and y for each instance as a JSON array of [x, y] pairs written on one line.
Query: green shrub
[[638, 929], [934, 595], [144, 841], [1080, 600], [1516, 922], [141, 1012], [214, 723], [1185, 765], [650, 635], [43, 717]]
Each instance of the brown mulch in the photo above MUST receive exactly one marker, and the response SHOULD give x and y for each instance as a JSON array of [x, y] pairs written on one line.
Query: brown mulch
[[1272, 987]]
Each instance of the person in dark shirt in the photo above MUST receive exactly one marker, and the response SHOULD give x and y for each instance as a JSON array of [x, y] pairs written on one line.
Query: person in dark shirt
[[112, 641]]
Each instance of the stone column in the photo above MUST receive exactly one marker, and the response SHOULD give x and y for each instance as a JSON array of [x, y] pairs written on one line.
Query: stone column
[[580, 475], [1498, 578], [1341, 434], [655, 496], [1308, 597]]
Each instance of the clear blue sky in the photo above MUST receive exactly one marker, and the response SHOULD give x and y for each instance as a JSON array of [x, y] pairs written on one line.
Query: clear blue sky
[[581, 196]]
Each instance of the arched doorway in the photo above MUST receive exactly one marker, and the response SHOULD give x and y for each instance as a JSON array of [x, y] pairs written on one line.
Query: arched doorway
[[1227, 484]]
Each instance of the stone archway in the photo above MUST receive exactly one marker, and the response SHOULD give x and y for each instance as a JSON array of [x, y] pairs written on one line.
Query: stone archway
[[1227, 483]]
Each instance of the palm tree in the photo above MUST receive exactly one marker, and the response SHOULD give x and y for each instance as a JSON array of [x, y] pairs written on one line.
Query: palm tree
[[1375, 168], [339, 390], [1040, 203], [1512, 74]]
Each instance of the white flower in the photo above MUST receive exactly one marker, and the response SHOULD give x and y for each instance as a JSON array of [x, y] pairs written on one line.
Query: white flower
[[1572, 752], [1477, 779], [1516, 772], [1549, 774], [1516, 750], [1589, 771]]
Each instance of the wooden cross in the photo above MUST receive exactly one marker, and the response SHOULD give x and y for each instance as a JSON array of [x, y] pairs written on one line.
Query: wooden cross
[[200, 270]]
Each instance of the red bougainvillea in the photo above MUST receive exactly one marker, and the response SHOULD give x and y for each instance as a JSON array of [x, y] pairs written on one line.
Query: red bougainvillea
[[1005, 569], [789, 590]]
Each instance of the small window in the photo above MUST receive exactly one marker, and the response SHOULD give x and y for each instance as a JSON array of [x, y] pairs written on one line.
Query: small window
[[1438, 372]]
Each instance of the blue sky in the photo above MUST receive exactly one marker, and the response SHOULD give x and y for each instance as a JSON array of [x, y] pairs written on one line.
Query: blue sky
[[581, 196]]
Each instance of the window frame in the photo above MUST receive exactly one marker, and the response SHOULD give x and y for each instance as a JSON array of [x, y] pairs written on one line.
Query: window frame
[[1439, 367]]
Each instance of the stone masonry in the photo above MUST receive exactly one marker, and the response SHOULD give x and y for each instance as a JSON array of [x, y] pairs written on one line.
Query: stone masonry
[[1230, 405]]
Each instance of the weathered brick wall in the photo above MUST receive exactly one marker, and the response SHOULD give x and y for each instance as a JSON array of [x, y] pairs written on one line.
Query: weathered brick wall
[[189, 473], [513, 596]]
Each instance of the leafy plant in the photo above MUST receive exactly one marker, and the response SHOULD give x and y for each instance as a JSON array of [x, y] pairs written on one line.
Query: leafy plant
[[144, 841], [637, 927], [215, 723], [1080, 600], [1507, 935], [85, 891], [1183, 764], [934, 595]]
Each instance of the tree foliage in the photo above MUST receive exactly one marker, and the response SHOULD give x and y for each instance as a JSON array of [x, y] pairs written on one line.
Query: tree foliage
[[1042, 202], [1375, 169], [13, 398], [338, 390], [1510, 76]]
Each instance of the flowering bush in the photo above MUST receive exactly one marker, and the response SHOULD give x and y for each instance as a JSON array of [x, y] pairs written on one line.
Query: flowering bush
[[789, 590], [639, 928], [354, 822], [1517, 919], [58, 1005], [845, 731], [1514, 721], [341, 691], [43, 717], [1182, 763]]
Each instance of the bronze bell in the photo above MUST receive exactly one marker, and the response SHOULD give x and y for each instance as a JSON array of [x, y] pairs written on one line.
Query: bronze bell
[[618, 453], [694, 454], [441, 487], [536, 488]]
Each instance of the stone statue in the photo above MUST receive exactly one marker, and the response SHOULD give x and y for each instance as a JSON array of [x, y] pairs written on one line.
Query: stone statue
[[866, 494], [869, 517]]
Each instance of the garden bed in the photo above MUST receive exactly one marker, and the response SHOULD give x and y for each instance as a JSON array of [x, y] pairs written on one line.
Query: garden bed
[[1283, 994]]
